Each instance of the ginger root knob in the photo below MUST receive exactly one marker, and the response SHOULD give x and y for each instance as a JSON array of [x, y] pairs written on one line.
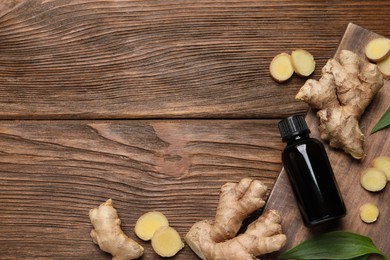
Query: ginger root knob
[[346, 87], [216, 239], [109, 236]]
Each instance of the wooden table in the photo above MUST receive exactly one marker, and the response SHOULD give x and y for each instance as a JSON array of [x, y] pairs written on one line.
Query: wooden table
[[154, 104]]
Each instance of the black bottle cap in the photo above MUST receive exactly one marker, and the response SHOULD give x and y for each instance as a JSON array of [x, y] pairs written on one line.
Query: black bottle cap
[[293, 126]]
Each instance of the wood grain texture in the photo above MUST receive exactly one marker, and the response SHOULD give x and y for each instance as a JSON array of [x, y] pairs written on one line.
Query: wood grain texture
[[347, 170], [124, 59], [54, 172], [172, 59], [7, 5]]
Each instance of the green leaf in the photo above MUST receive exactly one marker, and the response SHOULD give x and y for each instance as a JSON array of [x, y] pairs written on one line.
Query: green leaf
[[383, 122], [363, 257], [334, 245]]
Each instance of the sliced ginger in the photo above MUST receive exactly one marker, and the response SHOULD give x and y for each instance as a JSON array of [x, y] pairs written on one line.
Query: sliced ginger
[[154, 226], [383, 163], [284, 65], [303, 62], [281, 68], [377, 49], [108, 234], [373, 179], [384, 67], [369, 213], [166, 242], [148, 223]]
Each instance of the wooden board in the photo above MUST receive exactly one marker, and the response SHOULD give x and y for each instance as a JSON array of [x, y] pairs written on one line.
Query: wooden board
[[347, 170]]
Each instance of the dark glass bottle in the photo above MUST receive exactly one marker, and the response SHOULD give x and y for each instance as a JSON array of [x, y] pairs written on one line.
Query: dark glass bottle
[[310, 173]]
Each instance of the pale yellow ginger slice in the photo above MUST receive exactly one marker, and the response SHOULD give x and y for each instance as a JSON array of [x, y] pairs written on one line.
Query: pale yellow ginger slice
[[148, 223], [109, 236], [281, 68], [384, 67], [369, 213], [373, 179], [383, 163], [166, 242], [303, 62], [377, 49]]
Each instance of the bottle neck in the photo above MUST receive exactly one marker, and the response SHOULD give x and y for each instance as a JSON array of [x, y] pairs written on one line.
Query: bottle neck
[[297, 138]]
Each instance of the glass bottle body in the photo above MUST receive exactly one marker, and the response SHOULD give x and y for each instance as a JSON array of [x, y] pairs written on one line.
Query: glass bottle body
[[312, 180]]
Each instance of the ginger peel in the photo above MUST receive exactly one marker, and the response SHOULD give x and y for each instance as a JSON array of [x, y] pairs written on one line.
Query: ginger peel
[[345, 89], [216, 239], [108, 234]]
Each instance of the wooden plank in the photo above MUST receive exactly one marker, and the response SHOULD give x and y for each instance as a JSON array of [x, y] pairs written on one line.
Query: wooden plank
[[53, 172], [143, 59], [346, 169]]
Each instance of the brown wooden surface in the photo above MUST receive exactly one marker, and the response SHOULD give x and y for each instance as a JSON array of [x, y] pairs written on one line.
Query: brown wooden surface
[[53, 172], [199, 67], [346, 169], [148, 59]]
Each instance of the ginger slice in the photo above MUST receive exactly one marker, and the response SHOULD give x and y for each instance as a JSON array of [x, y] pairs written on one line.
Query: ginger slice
[[166, 242], [373, 179], [303, 62], [369, 213], [108, 234], [383, 163], [377, 49], [281, 68], [148, 223], [384, 67]]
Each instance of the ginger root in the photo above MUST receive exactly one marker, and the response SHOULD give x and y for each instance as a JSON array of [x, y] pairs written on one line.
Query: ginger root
[[148, 223], [166, 242], [109, 236], [216, 239], [341, 95]]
